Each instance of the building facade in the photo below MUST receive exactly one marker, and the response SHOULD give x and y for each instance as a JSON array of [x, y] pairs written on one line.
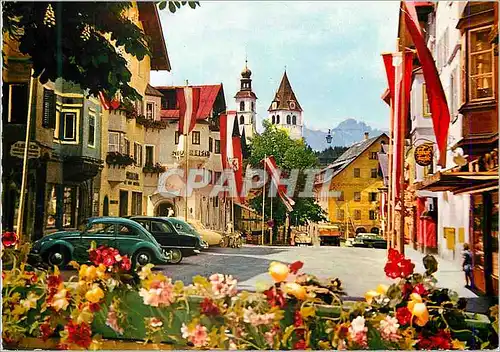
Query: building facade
[[246, 104]]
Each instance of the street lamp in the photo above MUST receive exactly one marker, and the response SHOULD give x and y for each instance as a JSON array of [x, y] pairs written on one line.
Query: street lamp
[[329, 137]]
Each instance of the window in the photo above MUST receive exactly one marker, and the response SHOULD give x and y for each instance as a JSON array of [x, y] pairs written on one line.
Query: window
[[150, 154], [114, 142], [91, 131], [150, 110], [340, 214], [357, 173], [373, 196], [373, 156], [294, 120], [357, 196], [195, 137], [127, 147], [217, 178], [100, 229], [453, 95], [273, 120], [277, 119], [341, 196], [372, 214], [217, 146], [126, 230], [69, 126], [242, 120], [374, 173], [425, 102], [210, 144], [139, 107], [138, 154], [480, 64], [176, 137], [49, 109], [288, 119], [158, 226], [15, 103], [357, 214], [69, 207], [253, 106], [136, 203], [242, 106]]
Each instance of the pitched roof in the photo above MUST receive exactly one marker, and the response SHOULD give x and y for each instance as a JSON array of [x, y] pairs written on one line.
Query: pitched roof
[[208, 95], [148, 15], [349, 156], [245, 94], [284, 96], [150, 90]]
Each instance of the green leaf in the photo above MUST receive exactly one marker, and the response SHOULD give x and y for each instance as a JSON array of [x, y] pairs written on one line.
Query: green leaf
[[430, 264], [171, 7], [162, 5], [178, 4]]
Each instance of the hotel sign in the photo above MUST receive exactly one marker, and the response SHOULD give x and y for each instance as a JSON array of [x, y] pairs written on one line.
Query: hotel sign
[[424, 154], [17, 150], [196, 152]]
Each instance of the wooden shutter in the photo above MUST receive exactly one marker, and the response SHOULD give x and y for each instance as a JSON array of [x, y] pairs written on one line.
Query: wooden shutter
[[49, 108]]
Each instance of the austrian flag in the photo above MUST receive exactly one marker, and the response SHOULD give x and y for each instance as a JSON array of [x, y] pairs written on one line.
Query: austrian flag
[[272, 170], [188, 100]]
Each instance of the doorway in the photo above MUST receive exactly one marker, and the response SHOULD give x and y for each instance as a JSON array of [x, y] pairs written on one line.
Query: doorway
[[123, 203], [165, 209]]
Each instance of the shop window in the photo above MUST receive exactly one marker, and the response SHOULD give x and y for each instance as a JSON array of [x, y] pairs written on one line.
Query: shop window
[[15, 103], [150, 154], [69, 207], [51, 207], [480, 64], [95, 204], [357, 214], [49, 108], [196, 137], [357, 196], [373, 215], [357, 173], [217, 146], [136, 203], [92, 130], [374, 173]]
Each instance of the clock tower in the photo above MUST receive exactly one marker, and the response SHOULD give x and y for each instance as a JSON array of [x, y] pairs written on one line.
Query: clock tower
[[245, 105]]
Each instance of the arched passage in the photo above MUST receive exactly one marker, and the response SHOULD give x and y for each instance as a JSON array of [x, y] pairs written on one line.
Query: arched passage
[[165, 208]]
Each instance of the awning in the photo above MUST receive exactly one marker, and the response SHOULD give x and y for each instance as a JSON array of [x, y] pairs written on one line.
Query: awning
[[459, 182]]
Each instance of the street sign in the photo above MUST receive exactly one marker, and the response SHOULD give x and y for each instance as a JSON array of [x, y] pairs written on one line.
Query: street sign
[[17, 150], [423, 154]]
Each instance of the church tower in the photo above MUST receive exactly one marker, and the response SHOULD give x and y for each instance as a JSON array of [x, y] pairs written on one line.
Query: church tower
[[285, 110], [245, 105]]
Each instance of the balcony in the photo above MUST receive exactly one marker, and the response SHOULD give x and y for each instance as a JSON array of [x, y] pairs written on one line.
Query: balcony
[[117, 163]]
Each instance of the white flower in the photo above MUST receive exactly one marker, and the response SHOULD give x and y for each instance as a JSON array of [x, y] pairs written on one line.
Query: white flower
[[389, 328], [358, 325]]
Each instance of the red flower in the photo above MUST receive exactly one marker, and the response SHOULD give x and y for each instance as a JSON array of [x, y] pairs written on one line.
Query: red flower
[[46, 331], [209, 308], [298, 321], [420, 289], [403, 315], [275, 297], [300, 345], [295, 267], [406, 289], [109, 260], [397, 265], [79, 334], [394, 255], [94, 307], [33, 277], [125, 264], [53, 281], [406, 267], [439, 341], [9, 239]]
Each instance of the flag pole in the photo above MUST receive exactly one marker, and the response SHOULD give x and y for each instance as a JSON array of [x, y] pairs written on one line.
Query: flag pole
[[25, 164], [272, 228], [402, 129], [186, 146], [263, 202]]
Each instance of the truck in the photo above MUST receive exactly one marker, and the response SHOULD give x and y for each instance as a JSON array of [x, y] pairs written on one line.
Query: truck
[[329, 235]]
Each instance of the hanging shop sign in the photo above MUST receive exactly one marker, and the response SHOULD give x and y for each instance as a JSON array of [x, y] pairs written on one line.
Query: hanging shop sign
[[17, 150], [192, 152], [424, 154]]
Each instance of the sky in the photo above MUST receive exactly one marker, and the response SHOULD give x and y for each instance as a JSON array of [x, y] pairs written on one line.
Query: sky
[[331, 51]]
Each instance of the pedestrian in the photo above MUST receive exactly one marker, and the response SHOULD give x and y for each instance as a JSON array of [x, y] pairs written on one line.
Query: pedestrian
[[467, 265]]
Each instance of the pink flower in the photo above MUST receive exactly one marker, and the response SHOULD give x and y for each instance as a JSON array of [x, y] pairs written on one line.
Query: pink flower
[[198, 335], [112, 322], [223, 285], [358, 330], [389, 329], [160, 293], [255, 319]]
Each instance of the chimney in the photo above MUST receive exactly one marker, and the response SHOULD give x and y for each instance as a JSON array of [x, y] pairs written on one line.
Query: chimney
[[366, 135]]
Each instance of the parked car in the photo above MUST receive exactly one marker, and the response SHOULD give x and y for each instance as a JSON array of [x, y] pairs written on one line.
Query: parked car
[[213, 238], [369, 240], [184, 227], [127, 236], [301, 238], [180, 244]]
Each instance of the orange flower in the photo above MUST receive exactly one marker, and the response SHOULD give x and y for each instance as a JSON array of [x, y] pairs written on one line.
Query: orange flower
[[296, 290], [370, 295], [418, 309], [95, 294], [278, 271]]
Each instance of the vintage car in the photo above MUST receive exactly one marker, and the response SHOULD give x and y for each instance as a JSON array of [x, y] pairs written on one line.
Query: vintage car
[[369, 240], [127, 236], [301, 238], [183, 227], [180, 244], [329, 235], [213, 238]]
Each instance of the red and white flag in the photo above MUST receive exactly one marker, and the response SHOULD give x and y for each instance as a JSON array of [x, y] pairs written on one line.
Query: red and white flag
[[231, 152], [108, 105], [435, 93], [188, 100], [272, 169]]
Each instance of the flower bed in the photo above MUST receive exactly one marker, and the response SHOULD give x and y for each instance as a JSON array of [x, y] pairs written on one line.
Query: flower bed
[[106, 301]]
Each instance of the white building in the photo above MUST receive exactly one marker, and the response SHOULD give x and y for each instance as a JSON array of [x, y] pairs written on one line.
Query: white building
[[285, 110], [246, 105]]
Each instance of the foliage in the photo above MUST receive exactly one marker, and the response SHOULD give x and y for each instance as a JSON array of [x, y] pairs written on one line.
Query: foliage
[[330, 154], [174, 5], [298, 311], [116, 158], [153, 169], [151, 124], [80, 42]]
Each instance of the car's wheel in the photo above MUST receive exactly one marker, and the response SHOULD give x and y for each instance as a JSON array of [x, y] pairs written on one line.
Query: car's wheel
[[176, 256], [142, 257], [57, 256]]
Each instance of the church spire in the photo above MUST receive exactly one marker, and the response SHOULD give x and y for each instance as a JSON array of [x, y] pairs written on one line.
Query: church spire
[[285, 98]]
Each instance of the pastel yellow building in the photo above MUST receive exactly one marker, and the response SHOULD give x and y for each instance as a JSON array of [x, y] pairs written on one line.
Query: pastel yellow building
[[348, 189], [130, 133]]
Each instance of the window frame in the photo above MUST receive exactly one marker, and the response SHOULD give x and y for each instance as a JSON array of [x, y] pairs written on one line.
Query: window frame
[[358, 171], [373, 156], [176, 137], [148, 104], [146, 146], [94, 134], [110, 133], [210, 144], [373, 172], [76, 126], [374, 213], [470, 77], [196, 138], [355, 196], [372, 196], [49, 108], [357, 214], [217, 146]]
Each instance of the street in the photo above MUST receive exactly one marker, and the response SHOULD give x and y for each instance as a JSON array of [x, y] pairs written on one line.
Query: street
[[359, 269]]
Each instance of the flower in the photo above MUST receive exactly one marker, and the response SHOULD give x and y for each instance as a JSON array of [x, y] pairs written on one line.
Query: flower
[[95, 294], [60, 300], [197, 335], [275, 297], [125, 263], [438, 341], [145, 271], [418, 309], [79, 334], [256, 319], [94, 307], [296, 290], [46, 330], [155, 322], [297, 319], [389, 329], [112, 321], [223, 285], [161, 292], [30, 301], [358, 330], [397, 265], [87, 272], [300, 345], [295, 267], [9, 239], [209, 308], [278, 271], [420, 289], [403, 315]]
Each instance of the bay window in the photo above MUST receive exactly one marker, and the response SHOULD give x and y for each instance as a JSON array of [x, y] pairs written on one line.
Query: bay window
[[480, 64]]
